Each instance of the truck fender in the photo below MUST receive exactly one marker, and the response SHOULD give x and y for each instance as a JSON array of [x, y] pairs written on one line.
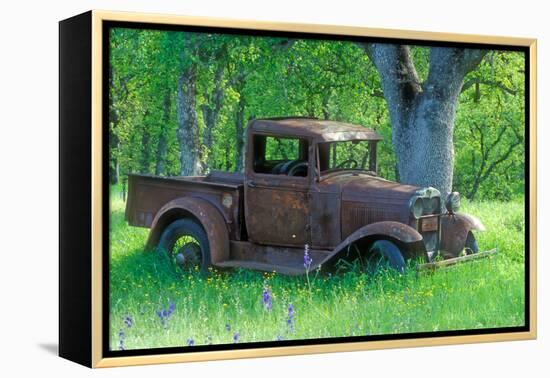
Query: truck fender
[[407, 238], [204, 213], [454, 231]]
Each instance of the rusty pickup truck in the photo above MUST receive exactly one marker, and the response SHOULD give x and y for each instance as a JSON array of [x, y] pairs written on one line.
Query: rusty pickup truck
[[308, 185]]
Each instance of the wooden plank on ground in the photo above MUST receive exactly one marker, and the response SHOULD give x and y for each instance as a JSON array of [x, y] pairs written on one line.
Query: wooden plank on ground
[[449, 262]]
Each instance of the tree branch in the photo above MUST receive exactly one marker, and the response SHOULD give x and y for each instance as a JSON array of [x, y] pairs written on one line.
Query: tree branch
[[472, 57], [285, 44], [501, 159], [451, 63], [468, 84], [400, 82]]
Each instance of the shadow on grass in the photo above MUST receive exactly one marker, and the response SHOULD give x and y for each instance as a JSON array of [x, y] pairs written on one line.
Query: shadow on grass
[[137, 264]]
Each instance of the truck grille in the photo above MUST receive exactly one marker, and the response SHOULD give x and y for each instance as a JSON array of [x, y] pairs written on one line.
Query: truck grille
[[429, 226], [361, 216], [431, 206], [430, 240], [356, 215]]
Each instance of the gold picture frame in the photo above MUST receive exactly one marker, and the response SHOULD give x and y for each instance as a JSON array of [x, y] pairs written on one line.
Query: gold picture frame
[[92, 265]]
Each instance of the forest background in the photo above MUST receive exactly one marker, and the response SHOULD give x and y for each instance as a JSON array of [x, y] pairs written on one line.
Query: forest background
[[179, 103]]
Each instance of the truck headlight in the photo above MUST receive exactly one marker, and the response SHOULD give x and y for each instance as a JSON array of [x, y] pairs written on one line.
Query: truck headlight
[[453, 202], [417, 207]]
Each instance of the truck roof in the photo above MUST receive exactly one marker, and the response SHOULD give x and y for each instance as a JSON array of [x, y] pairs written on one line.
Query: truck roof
[[319, 130]]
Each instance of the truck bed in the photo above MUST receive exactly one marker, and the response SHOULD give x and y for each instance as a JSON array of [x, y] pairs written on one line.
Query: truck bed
[[147, 194]]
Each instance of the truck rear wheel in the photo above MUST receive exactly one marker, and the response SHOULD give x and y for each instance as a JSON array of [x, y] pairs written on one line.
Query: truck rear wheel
[[384, 255], [186, 244]]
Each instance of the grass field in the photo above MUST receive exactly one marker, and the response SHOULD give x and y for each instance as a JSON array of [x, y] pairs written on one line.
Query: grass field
[[154, 305]]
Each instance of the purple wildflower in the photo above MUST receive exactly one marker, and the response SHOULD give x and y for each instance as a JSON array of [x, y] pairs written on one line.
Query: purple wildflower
[[280, 338], [290, 317], [266, 298], [307, 258], [190, 342], [165, 314], [236, 337], [121, 337], [129, 321], [228, 327]]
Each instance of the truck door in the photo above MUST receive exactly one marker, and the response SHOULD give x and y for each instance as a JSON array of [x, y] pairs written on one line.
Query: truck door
[[277, 190]]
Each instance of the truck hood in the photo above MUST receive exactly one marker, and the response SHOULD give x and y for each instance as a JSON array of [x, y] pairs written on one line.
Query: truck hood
[[367, 199], [360, 187]]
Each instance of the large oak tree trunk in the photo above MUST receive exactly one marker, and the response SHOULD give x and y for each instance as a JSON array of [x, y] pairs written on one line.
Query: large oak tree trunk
[[422, 114]]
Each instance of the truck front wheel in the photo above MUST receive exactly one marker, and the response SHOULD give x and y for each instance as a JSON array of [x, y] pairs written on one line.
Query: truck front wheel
[[471, 246], [383, 255], [186, 244]]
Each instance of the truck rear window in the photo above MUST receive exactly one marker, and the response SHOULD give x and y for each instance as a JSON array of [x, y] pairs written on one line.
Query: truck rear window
[[280, 155]]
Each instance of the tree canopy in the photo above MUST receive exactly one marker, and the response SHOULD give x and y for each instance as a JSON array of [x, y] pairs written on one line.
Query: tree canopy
[[179, 103]]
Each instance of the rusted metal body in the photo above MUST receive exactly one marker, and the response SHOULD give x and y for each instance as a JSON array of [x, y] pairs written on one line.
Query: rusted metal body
[[262, 219], [454, 231], [205, 213]]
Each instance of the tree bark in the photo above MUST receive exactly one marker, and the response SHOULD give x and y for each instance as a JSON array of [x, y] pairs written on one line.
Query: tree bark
[[162, 143], [114, 143], [422, 114], [239, 135], [188, 128], [145, 147], [211, 110]]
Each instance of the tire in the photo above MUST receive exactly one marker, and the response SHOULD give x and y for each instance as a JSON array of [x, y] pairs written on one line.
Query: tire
[[194, 250], [384, 254], [471, 246]]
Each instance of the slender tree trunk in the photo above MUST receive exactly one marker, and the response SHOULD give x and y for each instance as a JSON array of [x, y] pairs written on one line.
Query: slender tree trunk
[[422, 115], [114, 166], [188, 128], [326, 113], [114, 143], [227, 158], [162, 143], [145, 161], [239, 135], [212, 109]]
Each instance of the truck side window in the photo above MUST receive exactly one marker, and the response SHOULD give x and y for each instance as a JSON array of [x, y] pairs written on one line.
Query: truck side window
[[280, 155]]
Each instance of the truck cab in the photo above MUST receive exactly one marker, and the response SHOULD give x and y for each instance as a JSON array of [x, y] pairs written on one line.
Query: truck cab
[[288, 200]]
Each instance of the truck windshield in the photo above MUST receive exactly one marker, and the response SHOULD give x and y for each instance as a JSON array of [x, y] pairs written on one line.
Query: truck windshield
[[345, 155]]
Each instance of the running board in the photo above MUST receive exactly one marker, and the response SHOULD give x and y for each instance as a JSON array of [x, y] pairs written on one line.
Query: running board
[[457, 260]]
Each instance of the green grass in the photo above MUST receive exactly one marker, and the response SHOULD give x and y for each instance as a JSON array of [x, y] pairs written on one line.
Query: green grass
[[484, 294]]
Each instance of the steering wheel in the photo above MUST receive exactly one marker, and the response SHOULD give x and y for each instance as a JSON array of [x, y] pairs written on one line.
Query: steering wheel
[[278, 168], [352, 164], [299, 169]]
